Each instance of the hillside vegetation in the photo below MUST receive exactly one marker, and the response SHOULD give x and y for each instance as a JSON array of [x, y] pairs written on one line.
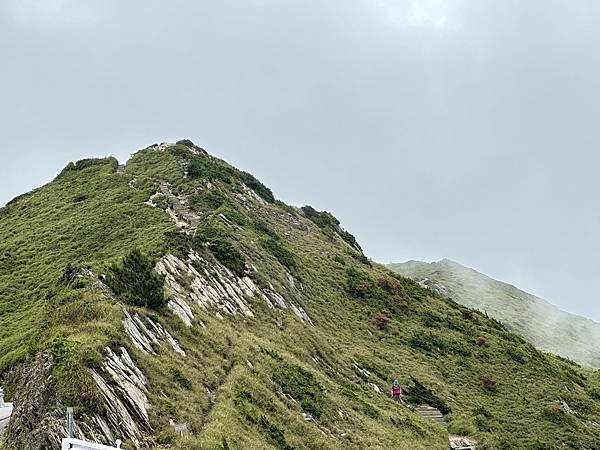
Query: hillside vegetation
[[533, 318], [272, 330]]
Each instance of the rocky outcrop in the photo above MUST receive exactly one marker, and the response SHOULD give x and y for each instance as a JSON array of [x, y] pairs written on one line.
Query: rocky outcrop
[[434, 286], [123, 386], [37, 418], [147, 334], [215, 288], [462, 443]]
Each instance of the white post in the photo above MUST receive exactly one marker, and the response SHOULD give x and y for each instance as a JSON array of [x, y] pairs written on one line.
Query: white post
[[1, 398], [70, 422]]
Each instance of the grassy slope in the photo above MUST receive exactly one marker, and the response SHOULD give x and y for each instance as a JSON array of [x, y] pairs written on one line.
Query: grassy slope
[[230, 404], [536, 320]]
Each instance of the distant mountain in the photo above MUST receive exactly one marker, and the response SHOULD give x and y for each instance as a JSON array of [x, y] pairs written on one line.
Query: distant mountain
[[534, 318]]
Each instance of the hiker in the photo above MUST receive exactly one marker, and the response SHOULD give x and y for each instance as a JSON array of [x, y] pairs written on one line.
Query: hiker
[[396, 391]]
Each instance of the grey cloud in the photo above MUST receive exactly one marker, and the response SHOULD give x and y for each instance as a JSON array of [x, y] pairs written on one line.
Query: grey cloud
[[461, 129]]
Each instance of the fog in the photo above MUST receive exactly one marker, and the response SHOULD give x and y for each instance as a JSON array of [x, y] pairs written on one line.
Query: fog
[[460, 129]]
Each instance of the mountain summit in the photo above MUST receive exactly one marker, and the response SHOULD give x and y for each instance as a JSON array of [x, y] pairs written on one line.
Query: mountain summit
[[176, 289], [537, 320]]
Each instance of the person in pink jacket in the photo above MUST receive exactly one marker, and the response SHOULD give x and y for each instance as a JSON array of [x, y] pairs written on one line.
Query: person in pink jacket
[[396, 390]]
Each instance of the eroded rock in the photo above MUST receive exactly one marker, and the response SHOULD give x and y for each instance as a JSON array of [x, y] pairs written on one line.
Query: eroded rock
[[146, 333]]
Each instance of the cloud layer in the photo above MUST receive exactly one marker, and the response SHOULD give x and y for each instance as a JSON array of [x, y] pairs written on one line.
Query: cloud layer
[[431, 128]]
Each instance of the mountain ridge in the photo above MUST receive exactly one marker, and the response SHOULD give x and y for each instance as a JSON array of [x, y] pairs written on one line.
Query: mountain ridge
[[178, 289], [481, 290]]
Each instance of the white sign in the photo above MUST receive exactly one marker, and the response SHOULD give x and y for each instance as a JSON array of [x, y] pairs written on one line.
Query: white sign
[[180, 427]]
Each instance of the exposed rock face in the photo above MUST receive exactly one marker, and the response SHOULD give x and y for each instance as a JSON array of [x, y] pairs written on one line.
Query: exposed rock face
[[37, 419], [462, 443], [214, 287], [434, 286], [146, 334], [126, 394]]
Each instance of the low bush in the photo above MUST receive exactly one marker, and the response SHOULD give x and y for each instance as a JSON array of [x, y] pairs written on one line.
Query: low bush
[[461, 427], [233, 214], [80, 198], [134, 281], [488, 383], [261, 190], [358, 283], [381, 320], [251, 408], [339, 259], [228, 255], [390, 285], [185, 142], [180, 378], [419, 394], [210, 199], [180, 151], [481, 341], [300, 384], [216, 236], [90, 162], [517, 354], [327, 221], [263, 227], [278, 249], [210, 168]]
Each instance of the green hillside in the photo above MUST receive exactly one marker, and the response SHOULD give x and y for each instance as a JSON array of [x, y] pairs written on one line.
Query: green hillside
[[177, 289], [535, 319]]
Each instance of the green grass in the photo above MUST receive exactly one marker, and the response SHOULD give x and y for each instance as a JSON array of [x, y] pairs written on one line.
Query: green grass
[[245, 382]]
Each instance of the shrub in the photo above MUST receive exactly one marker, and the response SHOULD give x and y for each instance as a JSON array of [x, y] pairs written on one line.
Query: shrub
[[370, 411], [80, 198], [228, 255], [261, 190], [390, 285], [207, 200], [461, 427], [326, 220], [339, 259], [381, 320], [554, 414], [185, 142], [482, 423], [481, 341], [90, 162], [216, 235], [358, 283], [177, 243], [210, 168], [179, 151], [488, 383], [517, 354], [180, 378], [69, 274], [263, 227], [251, 407], [594, 393], [300, 384], [276, 248], [134, 281], [419, 394]]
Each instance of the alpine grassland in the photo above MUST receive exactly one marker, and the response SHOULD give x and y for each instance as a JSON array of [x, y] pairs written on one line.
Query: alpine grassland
[[75, 262]]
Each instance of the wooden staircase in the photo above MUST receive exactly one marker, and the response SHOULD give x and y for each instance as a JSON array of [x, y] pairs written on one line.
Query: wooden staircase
[[456, 442], [430, 413]]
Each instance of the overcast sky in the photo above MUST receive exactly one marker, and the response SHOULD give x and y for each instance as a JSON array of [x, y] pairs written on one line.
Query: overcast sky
[[460, 129]]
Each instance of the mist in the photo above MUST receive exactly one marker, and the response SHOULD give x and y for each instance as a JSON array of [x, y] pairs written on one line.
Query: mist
[[430, 128]]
